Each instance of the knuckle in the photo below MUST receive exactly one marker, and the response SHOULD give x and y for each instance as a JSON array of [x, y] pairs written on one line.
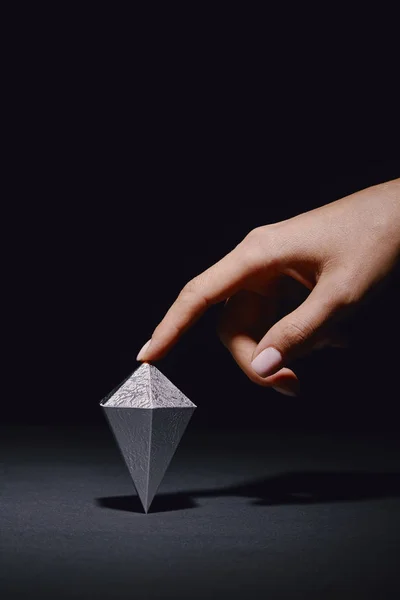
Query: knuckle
[[297, 331], [191, 288], [345, 294], [193, 293], [255, 234], [251, 257], [347, 299], [254, 246]]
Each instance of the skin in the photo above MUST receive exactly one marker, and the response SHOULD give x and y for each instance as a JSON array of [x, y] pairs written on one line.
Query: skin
[[338, 254]]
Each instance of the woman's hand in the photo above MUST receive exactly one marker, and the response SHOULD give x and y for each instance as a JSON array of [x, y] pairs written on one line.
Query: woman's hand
[[340, 252]]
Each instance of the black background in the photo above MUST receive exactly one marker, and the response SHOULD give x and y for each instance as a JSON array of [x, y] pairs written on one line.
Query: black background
[[143, 157]]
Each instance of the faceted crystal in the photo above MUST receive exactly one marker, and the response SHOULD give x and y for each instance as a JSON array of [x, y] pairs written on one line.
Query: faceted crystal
[[148, 416]]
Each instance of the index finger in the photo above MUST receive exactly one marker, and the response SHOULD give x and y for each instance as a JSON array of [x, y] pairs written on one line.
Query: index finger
[[215, 284]]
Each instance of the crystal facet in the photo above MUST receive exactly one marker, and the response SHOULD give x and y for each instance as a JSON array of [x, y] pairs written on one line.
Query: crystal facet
[[148, 416]]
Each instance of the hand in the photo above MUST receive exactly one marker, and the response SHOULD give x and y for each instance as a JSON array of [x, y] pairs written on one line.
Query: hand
[[339, 252]]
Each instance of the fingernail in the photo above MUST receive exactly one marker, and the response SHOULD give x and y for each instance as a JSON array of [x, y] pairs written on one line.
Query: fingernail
[[267, 362], [143, 350], [285, 391]]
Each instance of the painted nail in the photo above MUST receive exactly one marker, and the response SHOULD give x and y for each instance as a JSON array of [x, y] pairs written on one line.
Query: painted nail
[[143, 350], [285, 391], [267, 362]]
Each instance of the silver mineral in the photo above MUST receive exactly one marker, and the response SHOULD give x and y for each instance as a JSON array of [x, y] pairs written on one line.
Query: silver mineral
[[148, 415]]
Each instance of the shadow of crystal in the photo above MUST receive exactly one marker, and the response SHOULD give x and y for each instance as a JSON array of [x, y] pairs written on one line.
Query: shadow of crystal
[[299, 488]]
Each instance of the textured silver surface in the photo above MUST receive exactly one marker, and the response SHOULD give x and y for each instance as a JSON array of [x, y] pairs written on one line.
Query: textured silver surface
[[148, 416], [147, 387]]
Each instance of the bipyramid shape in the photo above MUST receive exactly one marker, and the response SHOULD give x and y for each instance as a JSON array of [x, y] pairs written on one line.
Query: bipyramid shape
[[148, 416]]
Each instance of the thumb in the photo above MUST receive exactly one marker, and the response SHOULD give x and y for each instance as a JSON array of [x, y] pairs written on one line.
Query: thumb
[[296, 333]]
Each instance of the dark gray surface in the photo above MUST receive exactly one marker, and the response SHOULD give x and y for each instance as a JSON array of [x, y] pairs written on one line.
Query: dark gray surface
[[251, 514]]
